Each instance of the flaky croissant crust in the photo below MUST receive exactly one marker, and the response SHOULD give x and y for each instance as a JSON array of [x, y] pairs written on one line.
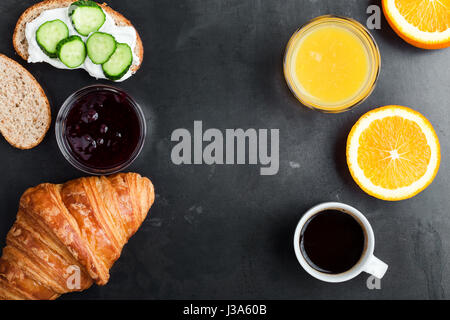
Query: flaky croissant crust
[[82, 224]]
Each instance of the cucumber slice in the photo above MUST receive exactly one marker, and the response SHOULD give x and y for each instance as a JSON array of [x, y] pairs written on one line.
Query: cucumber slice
[[100, 47], [86, 16], [49, 34], [119, 63], [71, 51]]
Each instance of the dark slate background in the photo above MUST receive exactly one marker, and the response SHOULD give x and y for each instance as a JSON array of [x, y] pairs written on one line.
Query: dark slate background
[[225, 231]]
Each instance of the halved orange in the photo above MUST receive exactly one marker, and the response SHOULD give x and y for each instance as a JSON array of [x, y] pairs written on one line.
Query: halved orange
[[422, 23], [393, 153]]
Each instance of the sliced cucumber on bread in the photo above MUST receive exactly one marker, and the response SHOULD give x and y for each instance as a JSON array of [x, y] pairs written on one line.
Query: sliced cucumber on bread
[[57, 39], [71, 51], [119, 63], [49, 34], [86, 16], [100, 47]]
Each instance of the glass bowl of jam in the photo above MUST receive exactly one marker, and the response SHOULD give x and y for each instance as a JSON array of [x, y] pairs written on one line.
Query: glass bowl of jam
[[100, 129]]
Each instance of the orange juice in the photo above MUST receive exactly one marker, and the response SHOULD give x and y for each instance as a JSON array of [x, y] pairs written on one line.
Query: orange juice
[[331, 64]]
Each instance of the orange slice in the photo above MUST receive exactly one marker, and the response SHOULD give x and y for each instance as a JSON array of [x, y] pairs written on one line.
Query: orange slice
[[393, 153], [422, 23]]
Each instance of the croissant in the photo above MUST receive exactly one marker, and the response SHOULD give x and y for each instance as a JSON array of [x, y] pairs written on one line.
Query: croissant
[[67, 237]]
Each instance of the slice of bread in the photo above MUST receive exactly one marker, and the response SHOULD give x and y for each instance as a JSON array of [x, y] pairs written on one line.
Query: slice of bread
[[20, 41], [25, 114]]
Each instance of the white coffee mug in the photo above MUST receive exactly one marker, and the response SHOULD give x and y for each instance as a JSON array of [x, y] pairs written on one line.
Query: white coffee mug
[[367, 263]]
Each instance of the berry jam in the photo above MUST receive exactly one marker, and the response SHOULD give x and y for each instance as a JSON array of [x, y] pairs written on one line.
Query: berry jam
[[103, 129]]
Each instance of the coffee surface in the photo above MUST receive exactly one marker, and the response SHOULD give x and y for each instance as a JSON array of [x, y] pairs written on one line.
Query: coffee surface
[[332, 241]]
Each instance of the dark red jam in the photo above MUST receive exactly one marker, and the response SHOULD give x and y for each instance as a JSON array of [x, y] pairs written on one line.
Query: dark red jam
[[103, 129]]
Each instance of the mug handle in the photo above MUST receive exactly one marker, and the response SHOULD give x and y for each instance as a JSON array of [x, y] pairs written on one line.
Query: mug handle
[[376, 267]]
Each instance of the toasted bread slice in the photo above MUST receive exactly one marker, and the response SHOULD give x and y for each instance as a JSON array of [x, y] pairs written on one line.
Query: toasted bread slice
[[25, 114], [20, 41]]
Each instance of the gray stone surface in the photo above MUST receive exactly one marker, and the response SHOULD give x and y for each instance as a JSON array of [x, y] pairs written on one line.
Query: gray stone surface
[[225, 231]]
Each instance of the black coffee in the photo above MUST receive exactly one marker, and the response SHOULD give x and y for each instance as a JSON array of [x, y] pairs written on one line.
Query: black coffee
[[332, 241]]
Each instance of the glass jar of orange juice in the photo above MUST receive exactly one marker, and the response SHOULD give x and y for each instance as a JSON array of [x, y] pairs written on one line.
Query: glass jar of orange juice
[[331, 64]]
